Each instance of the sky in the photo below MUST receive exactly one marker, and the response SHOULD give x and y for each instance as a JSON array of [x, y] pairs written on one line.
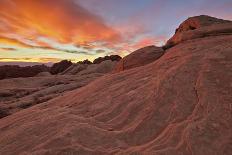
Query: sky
[[53, 30]]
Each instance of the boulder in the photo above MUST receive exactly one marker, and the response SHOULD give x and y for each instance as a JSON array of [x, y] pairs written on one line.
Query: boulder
[[111, 57], [140, 57], [199, 27], [75, 69], [15, 71], [60, 66]]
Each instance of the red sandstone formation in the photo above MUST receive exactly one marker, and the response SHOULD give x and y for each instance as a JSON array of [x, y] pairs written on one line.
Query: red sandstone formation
[[7, 71], [199, 27], [60, 66], [140, 57], [111, 57], [178, 104]]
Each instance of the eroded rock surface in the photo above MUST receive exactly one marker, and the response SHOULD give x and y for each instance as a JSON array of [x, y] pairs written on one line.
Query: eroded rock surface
[[199, 27], [14, 71], [139, 57], [178, 104]]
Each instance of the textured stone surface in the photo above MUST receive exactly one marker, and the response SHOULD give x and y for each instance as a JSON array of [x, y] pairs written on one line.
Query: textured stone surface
[[179, 104], [111, 57], [60, 66], [199, 27], [139, 57], [15, 71]]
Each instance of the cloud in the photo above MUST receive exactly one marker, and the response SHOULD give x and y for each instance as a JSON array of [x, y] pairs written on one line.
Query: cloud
[[63, 21], [42, 60], [14, 42], [100, 51], [7, 48]]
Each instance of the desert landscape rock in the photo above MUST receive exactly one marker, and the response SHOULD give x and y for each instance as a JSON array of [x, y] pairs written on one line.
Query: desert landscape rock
[[111, 57], [21, 93], [60, 66], [178, 104], [105, 66], [15, 71], [199, 27], [140, 57]]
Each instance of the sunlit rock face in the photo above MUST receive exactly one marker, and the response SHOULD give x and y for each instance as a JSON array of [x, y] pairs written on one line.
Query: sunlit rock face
[[198, 27], [140, 57], [179, 104]]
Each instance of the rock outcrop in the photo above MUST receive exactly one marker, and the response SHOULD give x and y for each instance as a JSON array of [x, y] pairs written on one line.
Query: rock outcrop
[[140, 57], [199, 27], [100, 65], [111, 57], [104, 67], [60, 66], [7, 71], [75, 69], [178, 104]]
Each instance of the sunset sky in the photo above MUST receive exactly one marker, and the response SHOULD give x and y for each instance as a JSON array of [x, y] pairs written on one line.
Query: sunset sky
[[52, 30]]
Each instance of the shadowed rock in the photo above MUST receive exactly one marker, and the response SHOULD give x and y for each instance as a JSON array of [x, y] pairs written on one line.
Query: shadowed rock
[[60, 66], [17, 71], [140, 57], [111, 57]]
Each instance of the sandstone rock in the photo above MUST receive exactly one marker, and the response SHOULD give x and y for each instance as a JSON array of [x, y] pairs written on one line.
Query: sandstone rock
[[60, 66], [17, 71], [43, 74], [104, 67], [74, 69], [199, 27], [179, 104], [85, 62], [140, 57], [81, 69], [111, 57]]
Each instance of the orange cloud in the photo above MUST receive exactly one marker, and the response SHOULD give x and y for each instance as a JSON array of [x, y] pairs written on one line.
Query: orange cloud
[[64, 25], [149, 41], [61, 20], [14, 42], [41, 60]]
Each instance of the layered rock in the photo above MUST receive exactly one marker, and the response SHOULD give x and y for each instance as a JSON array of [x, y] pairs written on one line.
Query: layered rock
[[60, 66], [74, 69], [111, 57], [178, 104], [104, 67], [140, 57], [17, 71], [199, 27], [100, 65]]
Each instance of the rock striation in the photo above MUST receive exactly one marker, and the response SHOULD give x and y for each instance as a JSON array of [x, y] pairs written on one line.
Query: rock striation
[[60, 66], [178, 104], [199, 27], [111, 57], [139, 57]]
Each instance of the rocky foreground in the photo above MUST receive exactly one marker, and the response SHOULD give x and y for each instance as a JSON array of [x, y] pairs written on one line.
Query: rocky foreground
[[179, 104]]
